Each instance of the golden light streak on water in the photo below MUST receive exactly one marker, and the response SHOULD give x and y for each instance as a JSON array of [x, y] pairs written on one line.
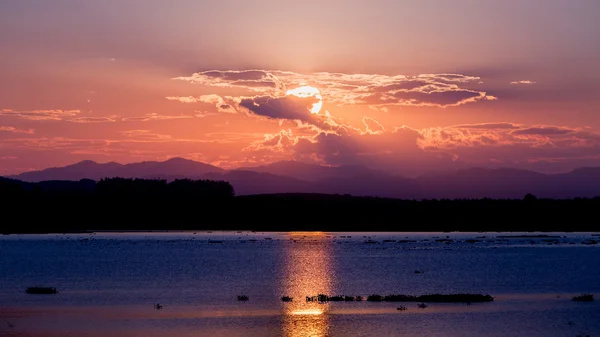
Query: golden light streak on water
[[307, 272]]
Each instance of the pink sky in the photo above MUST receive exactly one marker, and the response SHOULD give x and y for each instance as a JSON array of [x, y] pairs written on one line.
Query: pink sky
[[405, 86]]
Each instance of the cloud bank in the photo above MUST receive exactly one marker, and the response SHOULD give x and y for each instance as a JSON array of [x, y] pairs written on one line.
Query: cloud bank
[[436, 90], [409, 151]]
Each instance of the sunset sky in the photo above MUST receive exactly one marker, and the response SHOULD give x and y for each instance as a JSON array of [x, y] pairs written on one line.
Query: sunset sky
[[402, 86]]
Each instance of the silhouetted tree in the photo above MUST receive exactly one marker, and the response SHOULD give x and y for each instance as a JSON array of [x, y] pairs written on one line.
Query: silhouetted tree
[[201, 188], [10, 188]]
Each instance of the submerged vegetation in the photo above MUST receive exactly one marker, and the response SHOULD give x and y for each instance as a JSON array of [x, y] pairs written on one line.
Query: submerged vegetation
[[584, 298], [41, 290], [326, 298], [439, 298]]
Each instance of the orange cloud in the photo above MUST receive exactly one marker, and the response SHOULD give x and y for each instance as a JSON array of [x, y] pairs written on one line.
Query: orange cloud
[[110, 119], [523, 82], [187, 99], [222, 104], [40, 115], [12, 129], [146, 135], [153, 117], [372, 126]]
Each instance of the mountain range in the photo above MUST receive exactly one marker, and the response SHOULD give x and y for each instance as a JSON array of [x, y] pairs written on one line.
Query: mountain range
[[297, 177]]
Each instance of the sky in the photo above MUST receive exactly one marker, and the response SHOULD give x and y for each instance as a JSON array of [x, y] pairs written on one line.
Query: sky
[[409, 87]]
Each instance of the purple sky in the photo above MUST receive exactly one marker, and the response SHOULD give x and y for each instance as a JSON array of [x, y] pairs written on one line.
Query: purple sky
[[404, 85]]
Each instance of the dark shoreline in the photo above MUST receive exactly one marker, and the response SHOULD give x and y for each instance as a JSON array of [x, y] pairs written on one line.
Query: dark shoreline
[[332, 213], [148, 205], [294, 212]]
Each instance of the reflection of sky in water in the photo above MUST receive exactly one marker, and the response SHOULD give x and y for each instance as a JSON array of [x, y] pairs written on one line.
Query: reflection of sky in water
[[307, 272]]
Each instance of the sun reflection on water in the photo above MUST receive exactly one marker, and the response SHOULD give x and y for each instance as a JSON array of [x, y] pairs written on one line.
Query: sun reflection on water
[[307, 312], [307, 272]]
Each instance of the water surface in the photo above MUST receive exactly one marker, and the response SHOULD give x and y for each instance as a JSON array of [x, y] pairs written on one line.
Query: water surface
[[109, 282]]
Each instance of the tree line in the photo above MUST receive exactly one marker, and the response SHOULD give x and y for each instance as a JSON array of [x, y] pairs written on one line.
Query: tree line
[[138, 204]]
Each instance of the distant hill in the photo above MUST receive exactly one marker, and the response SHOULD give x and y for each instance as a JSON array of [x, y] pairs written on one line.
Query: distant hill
[[249, 182], [480, 182], [310, 172], [86, 169], [91, 170], [372, 184], [296, 177], [508, 183]]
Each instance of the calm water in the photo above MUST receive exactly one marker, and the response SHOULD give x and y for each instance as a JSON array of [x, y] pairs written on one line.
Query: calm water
[[109, 282]]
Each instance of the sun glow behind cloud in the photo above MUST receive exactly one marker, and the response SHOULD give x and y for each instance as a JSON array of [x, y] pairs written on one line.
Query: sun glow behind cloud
[[308, 91]]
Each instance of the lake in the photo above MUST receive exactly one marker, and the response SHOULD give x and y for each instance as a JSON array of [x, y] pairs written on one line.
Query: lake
[[108, 284]]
